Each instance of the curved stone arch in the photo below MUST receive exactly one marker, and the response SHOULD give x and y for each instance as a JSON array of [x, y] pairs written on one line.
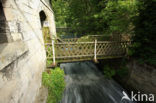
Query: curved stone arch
[[47, 30], [50, 20]]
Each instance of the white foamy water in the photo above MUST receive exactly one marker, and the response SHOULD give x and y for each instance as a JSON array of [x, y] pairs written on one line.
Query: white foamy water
[[86, 84]]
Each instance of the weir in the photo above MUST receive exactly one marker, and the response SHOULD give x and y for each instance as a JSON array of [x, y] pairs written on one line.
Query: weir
[[86, 84]]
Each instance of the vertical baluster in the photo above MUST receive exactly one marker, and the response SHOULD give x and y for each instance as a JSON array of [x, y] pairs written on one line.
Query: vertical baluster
[[53, 48], [95, 59]]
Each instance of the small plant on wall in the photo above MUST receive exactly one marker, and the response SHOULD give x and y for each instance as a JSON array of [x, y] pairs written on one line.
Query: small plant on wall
[[54, 81], [46, 34]]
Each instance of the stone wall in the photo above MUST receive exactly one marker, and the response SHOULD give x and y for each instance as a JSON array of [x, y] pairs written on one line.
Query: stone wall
[[22, 53], [142, 77]]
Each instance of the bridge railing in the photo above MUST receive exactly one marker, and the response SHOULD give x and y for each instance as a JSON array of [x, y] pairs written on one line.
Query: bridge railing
[[89, 38], [76, 51]]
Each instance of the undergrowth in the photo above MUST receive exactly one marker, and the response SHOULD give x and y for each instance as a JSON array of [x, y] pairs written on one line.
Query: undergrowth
[[54, 81], [110, 72]]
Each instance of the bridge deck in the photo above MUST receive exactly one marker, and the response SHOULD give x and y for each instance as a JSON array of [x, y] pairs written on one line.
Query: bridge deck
[[78, 51]]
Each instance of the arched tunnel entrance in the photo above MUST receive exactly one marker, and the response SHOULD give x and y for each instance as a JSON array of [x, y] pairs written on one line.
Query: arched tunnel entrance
[[45, 27], [42, 17], [46, 34]]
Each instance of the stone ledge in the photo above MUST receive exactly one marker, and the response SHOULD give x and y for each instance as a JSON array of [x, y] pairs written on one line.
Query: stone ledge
[[9, 52]]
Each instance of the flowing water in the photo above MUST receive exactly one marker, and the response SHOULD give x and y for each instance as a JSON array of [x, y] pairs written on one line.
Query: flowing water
[[86, 84]]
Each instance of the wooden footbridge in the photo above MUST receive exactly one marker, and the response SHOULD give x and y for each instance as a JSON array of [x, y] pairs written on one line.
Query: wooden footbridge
[[69, 50]]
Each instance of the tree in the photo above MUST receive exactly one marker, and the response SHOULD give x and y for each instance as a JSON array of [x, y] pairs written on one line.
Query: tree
[[96, 16], [102, 17], [60, 8], [144, 40]]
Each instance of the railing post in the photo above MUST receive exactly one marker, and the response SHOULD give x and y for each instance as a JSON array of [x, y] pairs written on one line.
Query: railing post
[[95, 59], [53, 48], [127, 45]]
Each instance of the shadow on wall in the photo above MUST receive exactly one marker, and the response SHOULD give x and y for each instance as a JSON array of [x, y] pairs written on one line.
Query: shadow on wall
[[3, 29]]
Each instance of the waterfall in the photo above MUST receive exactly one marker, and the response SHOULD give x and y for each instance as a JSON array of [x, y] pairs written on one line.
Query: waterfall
[[86, 84]]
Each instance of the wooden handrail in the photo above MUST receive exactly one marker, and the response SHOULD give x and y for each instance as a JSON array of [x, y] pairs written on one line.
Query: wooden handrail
[[89, 42]]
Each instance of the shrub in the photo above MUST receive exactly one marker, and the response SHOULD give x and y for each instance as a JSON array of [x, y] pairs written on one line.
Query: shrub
[[122, 72], [109, 72], [143, 47], [54, 81]]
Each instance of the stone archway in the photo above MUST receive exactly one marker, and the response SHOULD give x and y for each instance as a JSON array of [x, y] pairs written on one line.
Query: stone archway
[[45, 28]]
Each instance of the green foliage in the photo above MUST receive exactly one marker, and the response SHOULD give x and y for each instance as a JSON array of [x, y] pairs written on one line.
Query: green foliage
[[109, 72], [54, 81], [118, 69], [122, 72], [135, 17], [46, 34], [49, 62], [144, 41], [60, 8], [119, 14], [94, 16]]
